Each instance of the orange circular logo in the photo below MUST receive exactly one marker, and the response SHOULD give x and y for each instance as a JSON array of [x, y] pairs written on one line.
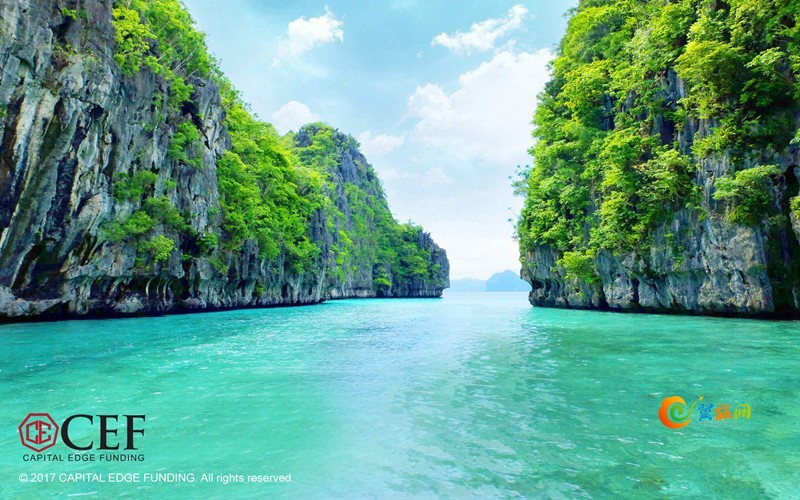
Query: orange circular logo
[[673, 412]]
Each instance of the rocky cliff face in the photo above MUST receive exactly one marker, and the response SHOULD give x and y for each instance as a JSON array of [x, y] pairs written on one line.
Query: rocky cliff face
[[698, 262], [72, 125], [360, 211], [709, 267], [665, 174]]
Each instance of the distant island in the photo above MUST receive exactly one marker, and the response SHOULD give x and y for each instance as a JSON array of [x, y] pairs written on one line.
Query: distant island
[[506, 281]]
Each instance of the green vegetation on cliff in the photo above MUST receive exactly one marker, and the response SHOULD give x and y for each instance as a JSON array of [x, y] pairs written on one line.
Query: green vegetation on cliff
[[265, 195], [367, 237], [180, 48], [641, 94], [271, 188]]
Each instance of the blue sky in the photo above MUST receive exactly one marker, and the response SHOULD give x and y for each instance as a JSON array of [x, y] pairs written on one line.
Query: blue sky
[[440, 95]]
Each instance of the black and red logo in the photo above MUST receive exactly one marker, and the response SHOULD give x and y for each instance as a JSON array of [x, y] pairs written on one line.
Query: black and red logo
[[38, 431]]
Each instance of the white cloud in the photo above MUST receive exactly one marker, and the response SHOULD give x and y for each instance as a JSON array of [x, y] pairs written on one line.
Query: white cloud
[[482, 36], [469, 221], [476, 255], [389, 174], [461, 144], [304, 34], [291, 116], [379, 145], [435, 176], [488, 117], [394, 174]]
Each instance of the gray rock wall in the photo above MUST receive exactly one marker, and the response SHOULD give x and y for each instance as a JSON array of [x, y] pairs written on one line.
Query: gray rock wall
[[697, 263], [70, 125]]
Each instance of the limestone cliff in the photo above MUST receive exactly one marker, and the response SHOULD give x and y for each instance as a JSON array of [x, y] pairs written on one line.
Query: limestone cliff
[[698, 261], [665, 175], [74, 128]]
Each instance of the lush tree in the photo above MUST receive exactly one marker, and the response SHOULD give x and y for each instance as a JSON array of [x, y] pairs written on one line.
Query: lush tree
[[609, 163], [271, 187]]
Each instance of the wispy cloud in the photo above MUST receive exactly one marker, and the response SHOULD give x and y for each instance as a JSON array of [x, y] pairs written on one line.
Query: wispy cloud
[[483, 36], [291, 116], [379, 145], [304, 34], [436, 176], [487, 117]]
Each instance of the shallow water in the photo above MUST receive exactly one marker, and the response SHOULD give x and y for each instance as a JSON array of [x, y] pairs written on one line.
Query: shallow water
[[470, 395]]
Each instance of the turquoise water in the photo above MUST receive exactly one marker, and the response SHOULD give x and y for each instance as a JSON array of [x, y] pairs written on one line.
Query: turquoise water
[[473, 395]]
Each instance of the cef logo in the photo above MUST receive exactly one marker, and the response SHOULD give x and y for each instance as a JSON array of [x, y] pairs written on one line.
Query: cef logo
[[38, 431]]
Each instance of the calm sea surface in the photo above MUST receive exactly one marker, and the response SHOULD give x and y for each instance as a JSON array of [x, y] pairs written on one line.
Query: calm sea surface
[[472, 395]]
